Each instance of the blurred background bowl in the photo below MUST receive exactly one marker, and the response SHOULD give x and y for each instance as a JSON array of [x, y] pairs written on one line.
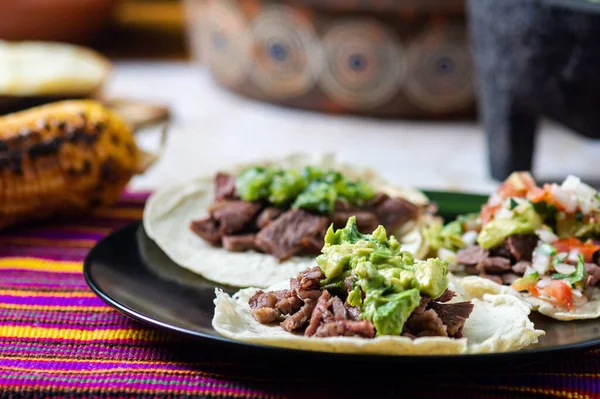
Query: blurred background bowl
[[75, 21], [388, 58]]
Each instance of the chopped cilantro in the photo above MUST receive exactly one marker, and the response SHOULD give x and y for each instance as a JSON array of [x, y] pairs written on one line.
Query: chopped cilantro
[[513, 204]]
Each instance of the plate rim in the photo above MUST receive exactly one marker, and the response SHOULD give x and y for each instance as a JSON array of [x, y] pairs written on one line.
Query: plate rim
[[140, 317]]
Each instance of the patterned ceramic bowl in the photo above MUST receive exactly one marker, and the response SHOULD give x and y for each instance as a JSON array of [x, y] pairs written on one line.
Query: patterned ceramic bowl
[[386, 58]]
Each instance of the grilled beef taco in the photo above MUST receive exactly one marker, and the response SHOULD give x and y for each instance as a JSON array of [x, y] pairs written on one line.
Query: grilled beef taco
[[368, 296], [540, 241], [257, 224]]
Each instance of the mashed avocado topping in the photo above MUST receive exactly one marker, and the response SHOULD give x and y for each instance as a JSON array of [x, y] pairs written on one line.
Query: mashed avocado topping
[[310, 188], [387, 282], [523, 219]]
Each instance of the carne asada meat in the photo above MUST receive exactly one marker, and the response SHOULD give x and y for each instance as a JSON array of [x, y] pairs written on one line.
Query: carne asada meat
[[593, 274], [207, 229], [224, 187], [521, 246], [471, 256], [509, 278], [494, 265], [520, 267], [233, 216], [239, 243], [299, 318], [366, 221], [332, 323], [307, 284], [283, 237], [446, 296], [426, 324], [266, 307], [267, 216], [376, 200], [394, 213], [453, 316]]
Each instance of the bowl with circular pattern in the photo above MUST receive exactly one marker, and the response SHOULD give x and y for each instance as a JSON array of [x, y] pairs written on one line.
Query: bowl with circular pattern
[[386, 58]]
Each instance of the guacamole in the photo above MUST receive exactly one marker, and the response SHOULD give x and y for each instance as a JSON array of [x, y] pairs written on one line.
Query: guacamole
[[524, 219], [309, 188], [388, 282]]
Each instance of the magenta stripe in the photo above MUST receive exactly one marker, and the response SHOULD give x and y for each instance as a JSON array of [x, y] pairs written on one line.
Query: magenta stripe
[[66, 365], [58, 235], [69, 325], [40, 276], [51, 253], [49, 300], [27, 285]]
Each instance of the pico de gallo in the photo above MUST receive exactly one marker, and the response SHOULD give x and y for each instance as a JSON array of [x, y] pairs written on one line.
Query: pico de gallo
[[544, 241]]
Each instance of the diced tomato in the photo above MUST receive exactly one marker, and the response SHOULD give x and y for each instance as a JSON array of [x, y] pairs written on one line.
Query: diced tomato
[[487, 213], [533, 290], [587, 249], [544, 195], [518, 184], [559, 291]]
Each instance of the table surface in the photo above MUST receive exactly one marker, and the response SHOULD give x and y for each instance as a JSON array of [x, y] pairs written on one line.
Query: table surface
[[212, 128]]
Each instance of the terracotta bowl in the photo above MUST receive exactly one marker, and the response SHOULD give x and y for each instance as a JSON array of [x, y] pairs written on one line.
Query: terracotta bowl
[[75, 21], [386, 58]]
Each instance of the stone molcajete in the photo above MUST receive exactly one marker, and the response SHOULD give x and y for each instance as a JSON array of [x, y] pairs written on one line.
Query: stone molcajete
[[534, 58]]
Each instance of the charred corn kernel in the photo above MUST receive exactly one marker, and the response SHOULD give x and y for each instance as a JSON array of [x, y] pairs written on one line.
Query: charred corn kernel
[[63, 158]]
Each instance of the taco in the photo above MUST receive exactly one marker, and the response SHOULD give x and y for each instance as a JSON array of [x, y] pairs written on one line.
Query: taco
[[368, 296], [257, 224], [543, 242]]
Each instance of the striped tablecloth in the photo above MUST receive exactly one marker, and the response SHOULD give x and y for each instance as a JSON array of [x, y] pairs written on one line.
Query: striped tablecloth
[[57, 339]]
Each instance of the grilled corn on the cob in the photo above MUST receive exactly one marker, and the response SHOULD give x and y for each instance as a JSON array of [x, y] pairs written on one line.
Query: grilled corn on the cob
[[63, 158]]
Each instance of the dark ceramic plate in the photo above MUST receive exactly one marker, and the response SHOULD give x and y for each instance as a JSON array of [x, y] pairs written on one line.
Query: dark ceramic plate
[[130, 273]]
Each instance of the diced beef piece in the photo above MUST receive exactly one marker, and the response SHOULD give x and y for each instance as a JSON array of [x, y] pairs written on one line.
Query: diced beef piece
[[307, 283], [495, 279], [395, 212], [509, 278], [520, 267], [233, 216], [471, 269], [299, 318], [266, 307], [347, 328], [239, 243], [471, 256], [376, 200], [320, 314], [593, 274], [339, 310], [521, 246], [267, 216], [341, 205], [353, 312], [502, 252], [494, 265], [453, 316], [224, 186], [426, 324], [431, 209], [207, 229], [348, 282], [365, 221], [312, 245], [283, 237], [446, 296], [425, 301]]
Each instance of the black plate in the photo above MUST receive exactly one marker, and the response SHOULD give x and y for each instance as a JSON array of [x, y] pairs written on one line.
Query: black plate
[[130, 273]]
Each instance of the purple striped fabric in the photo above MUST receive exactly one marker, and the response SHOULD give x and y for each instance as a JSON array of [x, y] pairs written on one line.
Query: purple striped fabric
[[58, 340]]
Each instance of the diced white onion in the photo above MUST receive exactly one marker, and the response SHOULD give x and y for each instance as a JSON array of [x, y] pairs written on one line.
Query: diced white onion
[[585, 206], [540, 262], [495, 199], [572, 207], [447, 255], [563, 268], [469, 238], [584, 191], [546, 235], [571, 183], [503, 213], [573, 255], [529, 270], [577, 293], [544, 281], [564, 198]]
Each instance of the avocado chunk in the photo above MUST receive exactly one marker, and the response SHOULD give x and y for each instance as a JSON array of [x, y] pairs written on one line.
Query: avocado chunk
[[524, 220]]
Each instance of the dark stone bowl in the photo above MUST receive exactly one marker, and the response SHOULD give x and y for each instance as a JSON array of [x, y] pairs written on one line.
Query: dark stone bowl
[[385, 58], [534, 58]]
